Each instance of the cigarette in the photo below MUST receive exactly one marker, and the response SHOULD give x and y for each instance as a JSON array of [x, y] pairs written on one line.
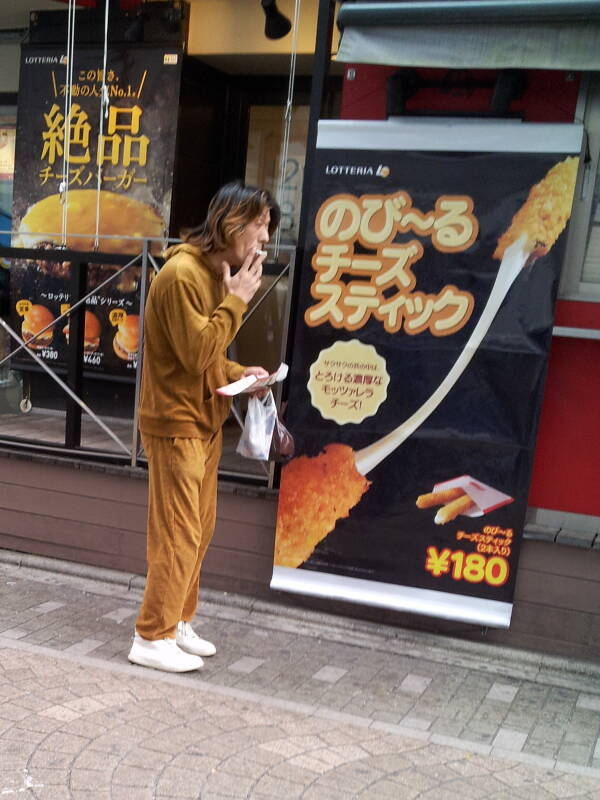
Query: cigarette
[[439, 498], [261, 252], [451, 510]]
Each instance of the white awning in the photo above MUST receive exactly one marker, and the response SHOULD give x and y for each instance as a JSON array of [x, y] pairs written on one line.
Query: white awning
[[377, 33]]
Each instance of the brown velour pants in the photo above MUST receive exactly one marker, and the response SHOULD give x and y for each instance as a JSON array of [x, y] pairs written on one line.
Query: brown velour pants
[[182, 501]]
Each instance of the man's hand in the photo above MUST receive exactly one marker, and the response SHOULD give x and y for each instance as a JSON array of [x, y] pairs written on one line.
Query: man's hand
[[244, 284], [260, 373]]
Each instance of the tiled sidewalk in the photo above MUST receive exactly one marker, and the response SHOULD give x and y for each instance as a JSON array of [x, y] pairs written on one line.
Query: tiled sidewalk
[[73, 730], [376, 681]]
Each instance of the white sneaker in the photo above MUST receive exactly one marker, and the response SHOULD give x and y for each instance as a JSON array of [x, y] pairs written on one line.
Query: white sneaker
[[162, 654], [188, 640]]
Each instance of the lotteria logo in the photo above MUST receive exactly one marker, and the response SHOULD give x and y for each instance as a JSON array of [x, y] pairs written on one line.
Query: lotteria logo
[[355, 169], [46, 59]]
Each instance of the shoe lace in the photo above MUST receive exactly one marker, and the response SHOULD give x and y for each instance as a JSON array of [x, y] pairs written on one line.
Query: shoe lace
[[188, 631]]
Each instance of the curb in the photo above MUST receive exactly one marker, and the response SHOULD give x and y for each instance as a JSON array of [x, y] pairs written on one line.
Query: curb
[[506, 661]]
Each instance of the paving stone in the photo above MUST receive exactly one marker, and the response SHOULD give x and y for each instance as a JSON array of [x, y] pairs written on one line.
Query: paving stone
[[415, 684], [15, 633], [501, 692], [83, 647], [445, 727], [61, 713], [477, 737], [508, 739], [412, 783], [588, 701], [400, 730], [46, 608], [329, 674], [120, 614], [394, 718], [316, 792], [574, 753], [483, 726], [277, 787], [416, 722], [460, 744], [245, 665]]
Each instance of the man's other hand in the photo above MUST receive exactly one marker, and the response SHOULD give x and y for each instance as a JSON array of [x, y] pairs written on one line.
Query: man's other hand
[[260, 373]]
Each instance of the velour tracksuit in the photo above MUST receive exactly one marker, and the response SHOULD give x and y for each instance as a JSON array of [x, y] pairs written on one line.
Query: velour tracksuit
[[189, 322]]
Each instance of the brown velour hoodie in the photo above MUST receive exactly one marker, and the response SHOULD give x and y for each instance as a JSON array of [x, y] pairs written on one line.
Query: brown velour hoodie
[[188, 324]]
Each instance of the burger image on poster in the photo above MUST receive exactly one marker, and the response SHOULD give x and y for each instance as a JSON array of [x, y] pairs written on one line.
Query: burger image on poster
[[35, 319], [125, 343], [122, 219], [91, 336]]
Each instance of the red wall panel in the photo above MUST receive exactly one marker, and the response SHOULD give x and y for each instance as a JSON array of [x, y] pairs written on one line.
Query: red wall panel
[[550, 96], [566, 468]]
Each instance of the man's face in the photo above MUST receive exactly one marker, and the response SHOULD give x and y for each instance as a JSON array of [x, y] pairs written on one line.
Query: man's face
[[254, 236]]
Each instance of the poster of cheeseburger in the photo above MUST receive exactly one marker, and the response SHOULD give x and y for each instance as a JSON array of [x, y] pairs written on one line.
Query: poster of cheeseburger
[[425, 314], [89, 187]]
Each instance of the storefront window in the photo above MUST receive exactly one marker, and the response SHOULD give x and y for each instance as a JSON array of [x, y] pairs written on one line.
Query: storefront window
[[9, 385], [581, 273], [265, 139], [34, 407], [7, 167]]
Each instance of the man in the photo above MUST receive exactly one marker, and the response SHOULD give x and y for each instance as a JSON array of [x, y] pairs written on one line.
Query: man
[[193, 312]]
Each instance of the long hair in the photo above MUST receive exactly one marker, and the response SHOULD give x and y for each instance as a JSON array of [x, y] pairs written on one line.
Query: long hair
[[233, 207]]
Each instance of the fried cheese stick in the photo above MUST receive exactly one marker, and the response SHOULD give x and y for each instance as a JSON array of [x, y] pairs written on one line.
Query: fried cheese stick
[[439, 498], [545, 213], [315, 493], [451, 510]]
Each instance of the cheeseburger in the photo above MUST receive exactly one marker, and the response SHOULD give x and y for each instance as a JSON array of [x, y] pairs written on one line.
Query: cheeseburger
[[119, 216], [125, 343], [34, 321], [91, 336]]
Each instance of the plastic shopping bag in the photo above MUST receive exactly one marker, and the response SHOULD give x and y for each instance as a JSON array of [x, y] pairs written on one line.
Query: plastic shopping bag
[[282, 443], [257, 434]]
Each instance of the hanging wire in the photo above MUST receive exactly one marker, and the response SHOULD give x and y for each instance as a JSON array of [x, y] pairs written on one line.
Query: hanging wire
[[287, 120], [64, 184], [104, 104]]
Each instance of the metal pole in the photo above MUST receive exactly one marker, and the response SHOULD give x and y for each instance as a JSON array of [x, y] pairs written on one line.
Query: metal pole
[[263, 297], [275, 469], [75, 356], [140, 356]]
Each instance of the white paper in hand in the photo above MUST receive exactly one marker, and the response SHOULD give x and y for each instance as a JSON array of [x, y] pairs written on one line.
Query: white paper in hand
[[252, 383]]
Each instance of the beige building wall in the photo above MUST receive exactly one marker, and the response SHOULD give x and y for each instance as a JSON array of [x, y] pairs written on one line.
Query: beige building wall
[[237, 27]]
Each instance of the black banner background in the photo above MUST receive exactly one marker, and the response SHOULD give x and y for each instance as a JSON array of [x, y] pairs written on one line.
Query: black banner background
[[486, 427]]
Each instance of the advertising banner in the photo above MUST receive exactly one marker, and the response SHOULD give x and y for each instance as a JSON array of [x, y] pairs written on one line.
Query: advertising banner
[[57, 198], [7, 152], [424, 321]]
